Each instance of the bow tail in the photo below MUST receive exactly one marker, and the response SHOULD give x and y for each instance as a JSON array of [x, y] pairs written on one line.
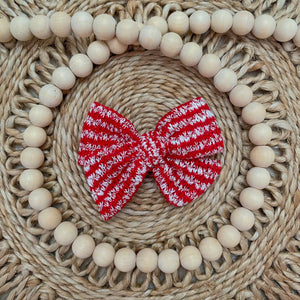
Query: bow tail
[[182, 181]]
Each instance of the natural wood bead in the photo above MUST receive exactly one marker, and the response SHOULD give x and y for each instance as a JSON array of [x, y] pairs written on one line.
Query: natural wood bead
[[160, 23], [209, 65], [150, 37], [225, 80], [19, 28], [125, 260], [178, 22], [285, 30], [82, 24], [221, 21], [171, 44], [49, 218], [253, 113], [50, 95], [5, 35], [258, 178], [190, 258], [81, 65], [98, 52], [40, 115], [264, 26], [251, 198], [242, 219], [83, 246], [228, 236], [146, 260], [127, 31], [31, 179], [190, 54], [34, 136], [60, 24], [296, 38], [116, 47], [104, 27], [243, 22], [40, 199], [103, 255], [168, 261], [260, 134], [32, 158], [40, 27], [65, 233], [210, 249], [262, 156], [199, 22], [241, 95], [63, 78]]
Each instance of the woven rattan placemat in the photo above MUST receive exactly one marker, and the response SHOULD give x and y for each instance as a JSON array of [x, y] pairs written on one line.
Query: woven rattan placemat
[[143, 86]]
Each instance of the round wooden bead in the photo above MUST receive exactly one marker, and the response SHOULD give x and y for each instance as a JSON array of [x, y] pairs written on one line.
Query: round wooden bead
[[296, 38], [34, 136], [104, 27], [228, 236], [83, 246], [225, 80], [242, 219], [178, 22], [285, 30], [50, 95], [65, 233], [40, 199], [243, 22], [60, 24], [150, 37], [127, 31], [98, 52], [19, 28], [31, 179], [260, 134], [81, 65], [146, 260], [241, 95], [209, 65], [190, 54], [125, 259], [40, 27], [63, 78], [258, 178], [210, 249], [5, 35], [103, 255], [221, 21], [199, 22], [168, 261], [160, 23], [264, 26], [116, 47], [171, 44], [49, 218], [262, 156], [40, 115], [32, 158], [190, 258], [251, 198], [82, 24], [253, 113]]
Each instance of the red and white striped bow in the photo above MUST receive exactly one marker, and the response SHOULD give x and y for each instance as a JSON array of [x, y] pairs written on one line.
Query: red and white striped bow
[[116, 158]]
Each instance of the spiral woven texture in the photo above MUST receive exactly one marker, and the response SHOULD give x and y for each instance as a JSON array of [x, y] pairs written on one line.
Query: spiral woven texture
[[143, 86]]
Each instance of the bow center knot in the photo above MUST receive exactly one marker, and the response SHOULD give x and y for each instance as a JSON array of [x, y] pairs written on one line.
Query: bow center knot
[[153, 148]]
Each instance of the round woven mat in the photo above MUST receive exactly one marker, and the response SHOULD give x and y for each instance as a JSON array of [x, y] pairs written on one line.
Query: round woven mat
[[143, 86]]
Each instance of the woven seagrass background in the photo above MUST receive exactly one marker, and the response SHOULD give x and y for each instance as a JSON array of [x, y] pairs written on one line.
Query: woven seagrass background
[[144, 85]]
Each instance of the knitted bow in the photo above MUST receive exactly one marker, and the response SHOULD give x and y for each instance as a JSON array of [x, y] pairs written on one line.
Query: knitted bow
[[116, 157]]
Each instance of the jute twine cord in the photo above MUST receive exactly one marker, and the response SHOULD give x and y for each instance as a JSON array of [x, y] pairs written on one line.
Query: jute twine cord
[[143, 86]]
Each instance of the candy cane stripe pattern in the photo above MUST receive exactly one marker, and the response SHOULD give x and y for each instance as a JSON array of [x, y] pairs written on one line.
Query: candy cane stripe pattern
[[179, 153]]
